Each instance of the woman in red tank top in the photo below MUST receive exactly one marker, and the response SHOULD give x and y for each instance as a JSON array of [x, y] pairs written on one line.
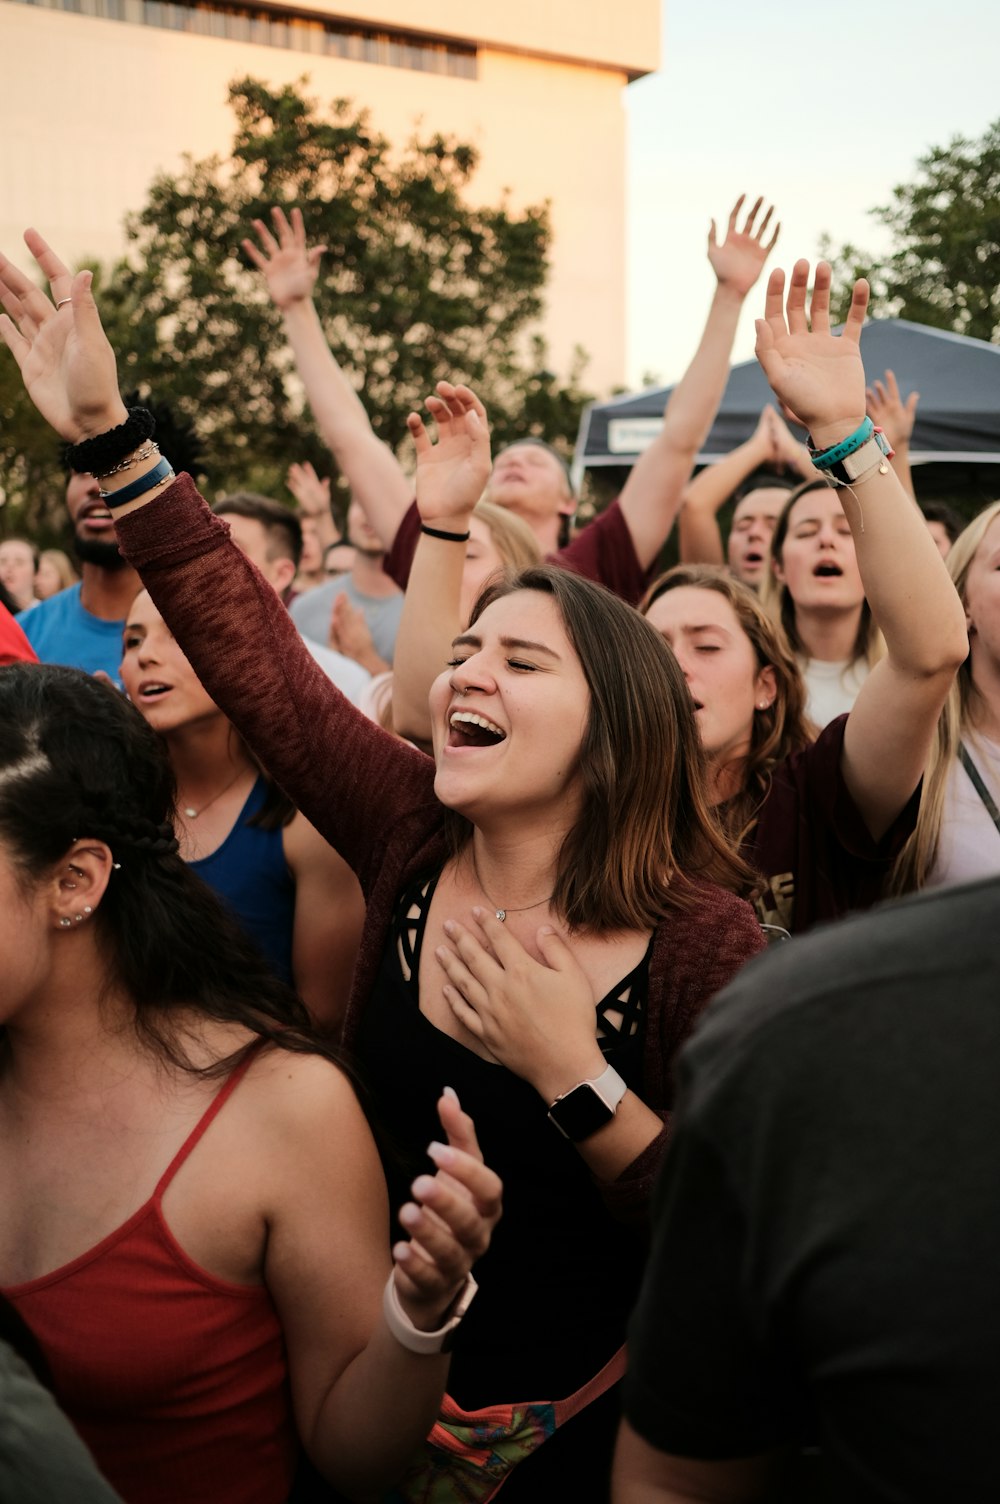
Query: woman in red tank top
[[204, 1275]]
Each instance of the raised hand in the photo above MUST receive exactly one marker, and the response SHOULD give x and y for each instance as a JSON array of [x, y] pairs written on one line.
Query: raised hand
[[290, 267], [817, 374], [889, 412], [311, 492], [739, 260], [535, 1017], [451, 474], [450, 1219], [67, 365], [789, 453]]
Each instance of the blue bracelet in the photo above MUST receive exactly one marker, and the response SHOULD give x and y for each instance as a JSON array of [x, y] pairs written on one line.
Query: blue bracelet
[[825, 459], [160, 472]]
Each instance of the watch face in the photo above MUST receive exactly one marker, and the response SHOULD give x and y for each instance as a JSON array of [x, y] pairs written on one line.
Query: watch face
[[580, 1112]]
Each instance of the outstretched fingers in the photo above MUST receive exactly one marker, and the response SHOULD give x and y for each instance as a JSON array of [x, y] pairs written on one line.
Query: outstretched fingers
[[854, 322], [819, 307], [795, 303]]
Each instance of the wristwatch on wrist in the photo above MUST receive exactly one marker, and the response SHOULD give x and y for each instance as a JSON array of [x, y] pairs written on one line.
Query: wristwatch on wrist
[[410, 1336], [587, 1106], [872, 453]]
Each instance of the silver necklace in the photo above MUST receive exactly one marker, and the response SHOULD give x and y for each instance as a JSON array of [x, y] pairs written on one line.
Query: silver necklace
[[501, 914], [190, 813]]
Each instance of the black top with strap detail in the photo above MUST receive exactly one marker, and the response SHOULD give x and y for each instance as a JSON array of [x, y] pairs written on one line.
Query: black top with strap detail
[[561, 1275]]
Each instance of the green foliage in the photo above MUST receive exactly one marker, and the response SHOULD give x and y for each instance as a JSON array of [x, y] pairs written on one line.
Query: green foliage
[[416, 284], [945, 243]]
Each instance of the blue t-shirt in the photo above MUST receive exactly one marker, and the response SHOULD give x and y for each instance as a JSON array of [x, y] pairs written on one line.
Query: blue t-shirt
[[61, 631]]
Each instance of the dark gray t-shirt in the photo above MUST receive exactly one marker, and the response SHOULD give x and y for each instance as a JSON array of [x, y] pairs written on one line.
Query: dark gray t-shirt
[[827, 1233], [311, 613]]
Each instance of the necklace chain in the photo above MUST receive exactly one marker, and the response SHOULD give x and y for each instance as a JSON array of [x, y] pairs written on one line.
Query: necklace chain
[[190, 813], [501, 914]]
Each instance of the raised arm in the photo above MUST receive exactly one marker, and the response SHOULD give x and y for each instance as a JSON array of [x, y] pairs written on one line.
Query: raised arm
[[896, 417], [350, 779], [821, 377], [699, 536], [655, 488], [451, 475], [368, 465]]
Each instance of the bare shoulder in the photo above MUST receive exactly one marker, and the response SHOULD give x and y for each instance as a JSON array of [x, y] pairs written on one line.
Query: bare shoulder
[[293, 1091]]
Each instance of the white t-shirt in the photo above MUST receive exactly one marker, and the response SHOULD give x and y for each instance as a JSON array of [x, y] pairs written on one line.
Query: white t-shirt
[[969, 844], [832, 688], [350, 678]]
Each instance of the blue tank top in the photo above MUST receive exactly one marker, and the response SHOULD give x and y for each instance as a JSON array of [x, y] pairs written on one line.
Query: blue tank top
[[249, 872]]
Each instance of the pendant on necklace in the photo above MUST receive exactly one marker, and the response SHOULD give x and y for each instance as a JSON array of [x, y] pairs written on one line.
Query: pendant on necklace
[[501, 914]]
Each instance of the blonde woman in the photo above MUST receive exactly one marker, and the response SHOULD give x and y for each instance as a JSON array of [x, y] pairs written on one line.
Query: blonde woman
[[55, 573], [957, 838]]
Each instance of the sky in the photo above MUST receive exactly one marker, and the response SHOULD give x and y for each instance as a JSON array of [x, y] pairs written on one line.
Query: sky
[[823, 109]]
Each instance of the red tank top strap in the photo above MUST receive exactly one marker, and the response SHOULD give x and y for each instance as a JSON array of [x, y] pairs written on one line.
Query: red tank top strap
[[207, 1118]]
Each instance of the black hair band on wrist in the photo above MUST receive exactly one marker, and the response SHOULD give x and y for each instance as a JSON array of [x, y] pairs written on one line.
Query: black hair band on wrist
[[439, 532], [100, 455]]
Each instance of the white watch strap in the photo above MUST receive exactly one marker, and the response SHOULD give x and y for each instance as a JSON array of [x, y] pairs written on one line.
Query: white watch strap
[[410, 1336], [868, 457], [610, 1087]]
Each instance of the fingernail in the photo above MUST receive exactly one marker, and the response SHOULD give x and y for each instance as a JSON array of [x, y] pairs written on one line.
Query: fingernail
[[423, 1186], [441, 1154], [451, 1094], [546, 929], [449, 926], [402, 1252], [409, 1214], [477, 913]]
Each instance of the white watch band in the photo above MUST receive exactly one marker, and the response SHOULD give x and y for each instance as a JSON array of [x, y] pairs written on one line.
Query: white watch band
[[410, 1336], [871, 456]]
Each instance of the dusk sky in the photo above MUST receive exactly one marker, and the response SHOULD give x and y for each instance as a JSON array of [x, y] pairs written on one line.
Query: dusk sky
[[823, 115]]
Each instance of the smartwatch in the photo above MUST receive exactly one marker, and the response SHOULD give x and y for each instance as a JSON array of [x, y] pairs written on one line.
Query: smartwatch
[[587, 1106]]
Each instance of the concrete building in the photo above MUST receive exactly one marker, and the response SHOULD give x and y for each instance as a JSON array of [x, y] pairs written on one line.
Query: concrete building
[[100, 95]]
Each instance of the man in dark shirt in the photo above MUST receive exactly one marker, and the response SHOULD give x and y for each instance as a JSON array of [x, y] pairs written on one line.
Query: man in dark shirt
[[827, 1233]]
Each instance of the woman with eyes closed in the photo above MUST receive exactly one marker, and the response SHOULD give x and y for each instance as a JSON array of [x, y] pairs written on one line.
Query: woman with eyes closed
[[813, 588], [821, 820], [297, 899], [550, 903]]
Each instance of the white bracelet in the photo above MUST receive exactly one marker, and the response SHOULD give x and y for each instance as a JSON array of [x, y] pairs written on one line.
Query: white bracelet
[[410, 1336]]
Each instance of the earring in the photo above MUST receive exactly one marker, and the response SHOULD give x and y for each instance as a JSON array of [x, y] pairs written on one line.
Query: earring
[[78, 918], [65, 922], [117, 866], [87, 909], [69, 884]]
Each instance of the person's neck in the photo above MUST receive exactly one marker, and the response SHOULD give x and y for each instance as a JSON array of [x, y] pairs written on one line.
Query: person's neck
[[77, 1040], [205, 757], [984, 708], [828, 635], [108, 593], [514, 870], [369, 578], [547, 530], [726, 777]]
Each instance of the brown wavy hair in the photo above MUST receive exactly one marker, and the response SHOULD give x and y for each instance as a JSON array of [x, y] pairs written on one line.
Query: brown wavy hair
[[646, 832], [783, 727]]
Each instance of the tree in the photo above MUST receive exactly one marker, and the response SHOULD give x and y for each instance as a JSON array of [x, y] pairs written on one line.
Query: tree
[[417, 283], [941, 269]]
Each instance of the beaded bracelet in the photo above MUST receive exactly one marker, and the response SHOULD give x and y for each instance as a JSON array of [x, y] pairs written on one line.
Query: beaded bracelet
[[98, 455]]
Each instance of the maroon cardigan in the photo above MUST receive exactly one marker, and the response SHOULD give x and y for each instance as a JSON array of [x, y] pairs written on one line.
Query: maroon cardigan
[[372, 796]]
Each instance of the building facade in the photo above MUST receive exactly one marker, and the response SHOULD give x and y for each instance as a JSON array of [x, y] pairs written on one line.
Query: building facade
[[101, 95]]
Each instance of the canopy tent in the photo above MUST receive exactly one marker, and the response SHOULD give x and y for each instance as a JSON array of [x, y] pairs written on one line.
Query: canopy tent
[[958, 418]]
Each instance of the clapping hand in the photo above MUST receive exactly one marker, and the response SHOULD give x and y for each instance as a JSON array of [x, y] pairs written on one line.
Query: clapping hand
[[450, 1219]]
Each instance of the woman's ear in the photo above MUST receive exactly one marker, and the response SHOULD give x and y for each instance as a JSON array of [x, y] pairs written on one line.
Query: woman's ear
[[765, 688], [80, 882]]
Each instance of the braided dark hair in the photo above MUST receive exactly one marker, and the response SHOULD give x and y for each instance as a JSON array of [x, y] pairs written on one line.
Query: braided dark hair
[[77, 761]]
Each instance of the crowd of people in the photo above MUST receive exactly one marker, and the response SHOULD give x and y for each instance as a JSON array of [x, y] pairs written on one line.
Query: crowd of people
[[358, 883]]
